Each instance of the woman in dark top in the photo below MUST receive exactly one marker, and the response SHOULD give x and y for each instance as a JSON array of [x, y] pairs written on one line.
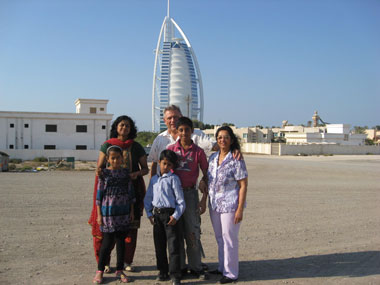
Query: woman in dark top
[[123, 132]]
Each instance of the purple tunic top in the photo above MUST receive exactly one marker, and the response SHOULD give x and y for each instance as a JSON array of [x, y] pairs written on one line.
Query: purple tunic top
[[223, 184], [115, 196]]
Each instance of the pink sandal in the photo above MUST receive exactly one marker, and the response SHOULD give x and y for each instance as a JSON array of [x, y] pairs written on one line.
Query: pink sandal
[[96, 279], [123, 278]]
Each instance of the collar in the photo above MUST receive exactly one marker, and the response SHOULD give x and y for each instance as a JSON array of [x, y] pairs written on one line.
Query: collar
[[178, 144], [225, 160], [170, 173], [167, 134]]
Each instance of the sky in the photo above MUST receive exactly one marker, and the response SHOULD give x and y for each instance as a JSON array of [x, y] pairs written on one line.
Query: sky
[[262, 61]]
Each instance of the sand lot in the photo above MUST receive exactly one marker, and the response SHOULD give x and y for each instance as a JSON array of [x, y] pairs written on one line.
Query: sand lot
[[309, 220]]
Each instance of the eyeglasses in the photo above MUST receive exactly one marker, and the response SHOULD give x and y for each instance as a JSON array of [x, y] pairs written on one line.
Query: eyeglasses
[[223, 137]]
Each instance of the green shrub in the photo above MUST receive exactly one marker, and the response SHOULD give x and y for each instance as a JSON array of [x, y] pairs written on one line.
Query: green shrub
[[15, 160], [26, 168], [40, 159], [11, 166]]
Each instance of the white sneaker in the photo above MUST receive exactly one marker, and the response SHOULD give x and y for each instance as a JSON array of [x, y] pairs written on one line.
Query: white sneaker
[[129, 268]]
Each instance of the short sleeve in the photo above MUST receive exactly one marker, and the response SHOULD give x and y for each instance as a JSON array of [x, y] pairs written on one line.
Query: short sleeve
[[240, 169], [100, 191], [138, 150], [104, 147], [153, 153]]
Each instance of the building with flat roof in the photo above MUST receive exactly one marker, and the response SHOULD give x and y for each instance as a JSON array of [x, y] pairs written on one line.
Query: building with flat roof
[[247, 134], [26, 135], [330, 134]]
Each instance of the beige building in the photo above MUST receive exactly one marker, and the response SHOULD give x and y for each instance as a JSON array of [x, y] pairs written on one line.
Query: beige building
[[246, 135], [374, 135]]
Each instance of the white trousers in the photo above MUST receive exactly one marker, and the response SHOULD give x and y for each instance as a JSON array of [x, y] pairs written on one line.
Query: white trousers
[[227, 237]]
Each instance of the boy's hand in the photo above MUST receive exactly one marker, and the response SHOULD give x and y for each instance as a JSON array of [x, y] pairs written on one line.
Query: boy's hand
[[202, 206], [203, 187], [99, 219], [151, 219], [172, 221]]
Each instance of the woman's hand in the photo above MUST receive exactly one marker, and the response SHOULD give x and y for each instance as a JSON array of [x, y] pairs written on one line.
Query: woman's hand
[[98, 171], [151, 220], [100, 164], [238, 216], [203, 187]]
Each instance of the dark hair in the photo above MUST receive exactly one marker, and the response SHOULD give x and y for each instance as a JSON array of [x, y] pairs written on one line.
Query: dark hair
[[234, 140], [169, 155], [114, 148], [184, 121], [132, 133]]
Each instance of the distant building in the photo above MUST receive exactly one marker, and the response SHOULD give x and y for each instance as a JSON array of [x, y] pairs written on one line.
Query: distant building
[[328, 134], [247, 134], [176, 75], [373, 135], [23, 133]]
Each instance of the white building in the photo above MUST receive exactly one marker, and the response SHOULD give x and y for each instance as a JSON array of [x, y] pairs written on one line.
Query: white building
[[27, 135], [176, 76], [330, 134]]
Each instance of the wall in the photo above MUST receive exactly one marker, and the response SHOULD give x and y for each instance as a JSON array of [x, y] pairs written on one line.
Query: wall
[[320, 149], [261, 148], [30, 154], [311, 149]]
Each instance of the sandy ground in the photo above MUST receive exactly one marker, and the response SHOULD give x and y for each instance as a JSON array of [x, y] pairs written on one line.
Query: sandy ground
[[309, 220]]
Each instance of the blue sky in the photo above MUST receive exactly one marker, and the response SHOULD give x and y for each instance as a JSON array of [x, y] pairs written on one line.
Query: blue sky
[[262, 62]]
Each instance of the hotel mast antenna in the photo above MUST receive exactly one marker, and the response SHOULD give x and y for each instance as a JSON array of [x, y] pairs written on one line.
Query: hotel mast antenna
[[176, 76]]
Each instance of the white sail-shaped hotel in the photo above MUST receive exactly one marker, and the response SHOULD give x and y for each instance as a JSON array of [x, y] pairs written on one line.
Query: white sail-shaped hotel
[[176, 76]]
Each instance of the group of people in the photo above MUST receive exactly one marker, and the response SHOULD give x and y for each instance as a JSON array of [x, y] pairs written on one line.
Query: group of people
[[171, 200]]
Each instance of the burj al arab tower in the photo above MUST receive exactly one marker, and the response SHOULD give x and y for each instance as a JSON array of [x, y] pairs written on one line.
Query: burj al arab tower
[[176, 76]]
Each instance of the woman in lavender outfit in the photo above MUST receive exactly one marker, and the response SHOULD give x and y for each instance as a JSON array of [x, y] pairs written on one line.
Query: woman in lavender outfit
[[227, 182]]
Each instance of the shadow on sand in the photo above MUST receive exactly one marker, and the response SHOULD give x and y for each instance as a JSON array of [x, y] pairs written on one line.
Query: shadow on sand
[[353, 264]]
